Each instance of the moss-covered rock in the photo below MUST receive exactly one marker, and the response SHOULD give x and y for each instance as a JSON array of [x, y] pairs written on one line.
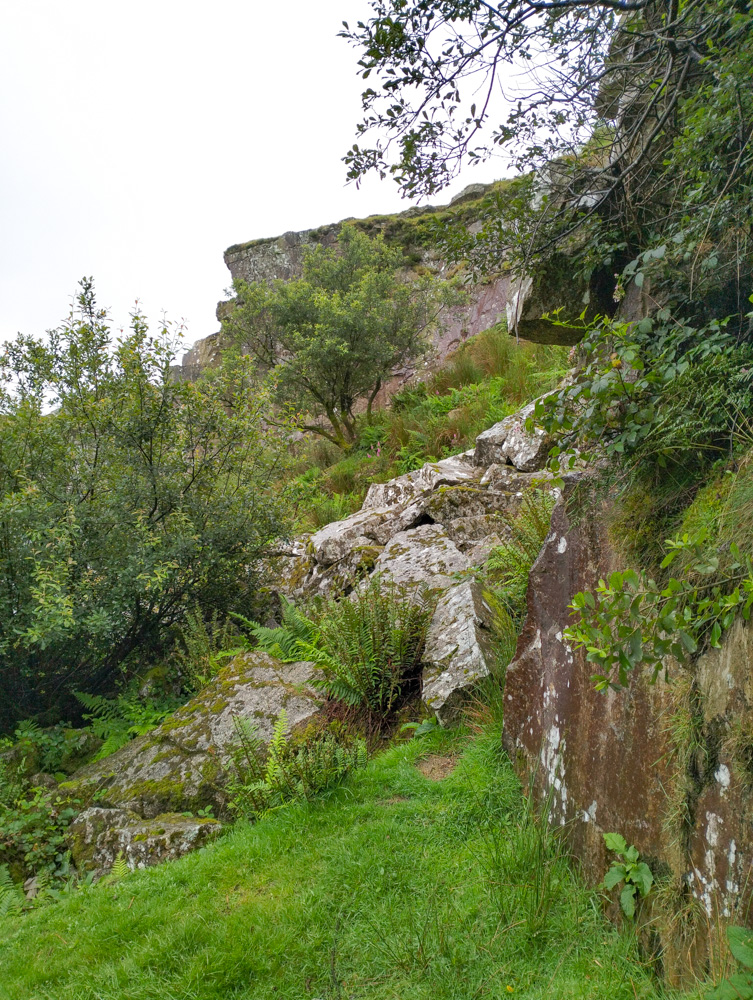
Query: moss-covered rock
[[99, 835], [180, 765]]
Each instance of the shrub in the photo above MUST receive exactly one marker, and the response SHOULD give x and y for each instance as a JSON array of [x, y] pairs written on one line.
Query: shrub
[[127, 497], [368, 646]]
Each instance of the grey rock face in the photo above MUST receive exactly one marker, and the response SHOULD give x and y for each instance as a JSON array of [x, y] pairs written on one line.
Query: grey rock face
[[458, 650], [424, 555], [180, 764], [509, 441], [98, 836], [452, 471]]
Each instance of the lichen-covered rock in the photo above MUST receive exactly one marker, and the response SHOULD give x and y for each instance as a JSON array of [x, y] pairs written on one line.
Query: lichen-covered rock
[[334, 542], [424, 555], [453, 471], [510, 441], [99, 835], [510, 480], [180, 765], [448, 503], [459, 650]]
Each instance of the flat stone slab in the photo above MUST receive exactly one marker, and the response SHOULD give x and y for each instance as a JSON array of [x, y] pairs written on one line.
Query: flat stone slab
[[180, 765], [459, 650], [99, 835]]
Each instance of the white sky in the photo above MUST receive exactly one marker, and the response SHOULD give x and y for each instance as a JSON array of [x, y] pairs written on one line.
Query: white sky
[[141, 139]]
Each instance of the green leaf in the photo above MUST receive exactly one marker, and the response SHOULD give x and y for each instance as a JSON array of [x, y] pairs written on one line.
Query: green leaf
[[615, 842], [643, 878], [741, 945], [627, 900], [614, 876]]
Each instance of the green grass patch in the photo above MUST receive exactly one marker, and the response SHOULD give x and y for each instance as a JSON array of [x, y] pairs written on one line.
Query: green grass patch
[[393, 885]]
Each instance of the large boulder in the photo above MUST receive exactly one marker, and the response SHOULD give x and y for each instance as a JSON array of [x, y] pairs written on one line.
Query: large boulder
[[453, 471], [509, 441], [424, 555], [98, 836], [181, 765], [459, 649]]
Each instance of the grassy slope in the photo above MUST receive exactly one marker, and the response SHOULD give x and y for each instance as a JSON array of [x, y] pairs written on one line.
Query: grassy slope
[[393, 886]]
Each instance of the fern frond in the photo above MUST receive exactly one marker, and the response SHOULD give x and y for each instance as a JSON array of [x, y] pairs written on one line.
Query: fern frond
[[120, 867]]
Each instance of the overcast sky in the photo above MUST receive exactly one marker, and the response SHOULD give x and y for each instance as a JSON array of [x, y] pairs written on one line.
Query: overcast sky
[[141, 139]]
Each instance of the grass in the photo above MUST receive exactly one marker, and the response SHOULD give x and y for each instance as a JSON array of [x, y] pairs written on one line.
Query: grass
[[391, 886], [485, 380]]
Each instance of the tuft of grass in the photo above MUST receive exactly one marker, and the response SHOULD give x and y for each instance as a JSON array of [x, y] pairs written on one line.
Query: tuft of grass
[[391, 885]]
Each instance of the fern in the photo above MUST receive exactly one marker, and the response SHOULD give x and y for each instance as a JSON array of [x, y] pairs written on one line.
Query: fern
[[120, 868], [118, 720], [367, 646], [291, 767], [509, 564], [204, 644], [11, 895]]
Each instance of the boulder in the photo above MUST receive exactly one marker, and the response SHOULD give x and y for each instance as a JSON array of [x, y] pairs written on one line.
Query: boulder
[[334, 542], [451, 471], [509, 480], [459, 649], [425, 555], [180, 765], [99, 835], [451, 502], [509, 442]]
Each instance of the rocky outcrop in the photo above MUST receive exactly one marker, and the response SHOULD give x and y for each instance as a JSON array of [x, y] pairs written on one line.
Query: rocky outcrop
[[425, 526], [510, 442], [424, 556], [459, 650], [666, 764], [98, 836], [428, 528], [180, 765], [281, 258]]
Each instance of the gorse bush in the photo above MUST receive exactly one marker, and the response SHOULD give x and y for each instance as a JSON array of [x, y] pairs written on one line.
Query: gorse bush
[[127, 497], [296, 766], [369, 647]]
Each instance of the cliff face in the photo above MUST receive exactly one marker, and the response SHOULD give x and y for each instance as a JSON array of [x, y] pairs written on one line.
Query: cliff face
[[668, 765], [282, 258]]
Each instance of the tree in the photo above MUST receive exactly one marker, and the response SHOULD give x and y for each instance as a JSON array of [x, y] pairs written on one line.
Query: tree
[[633, 118], [334, 336], [127, 498]]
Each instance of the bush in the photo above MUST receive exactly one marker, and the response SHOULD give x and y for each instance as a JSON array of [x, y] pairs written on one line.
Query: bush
[[127, 498], [368, 647]]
